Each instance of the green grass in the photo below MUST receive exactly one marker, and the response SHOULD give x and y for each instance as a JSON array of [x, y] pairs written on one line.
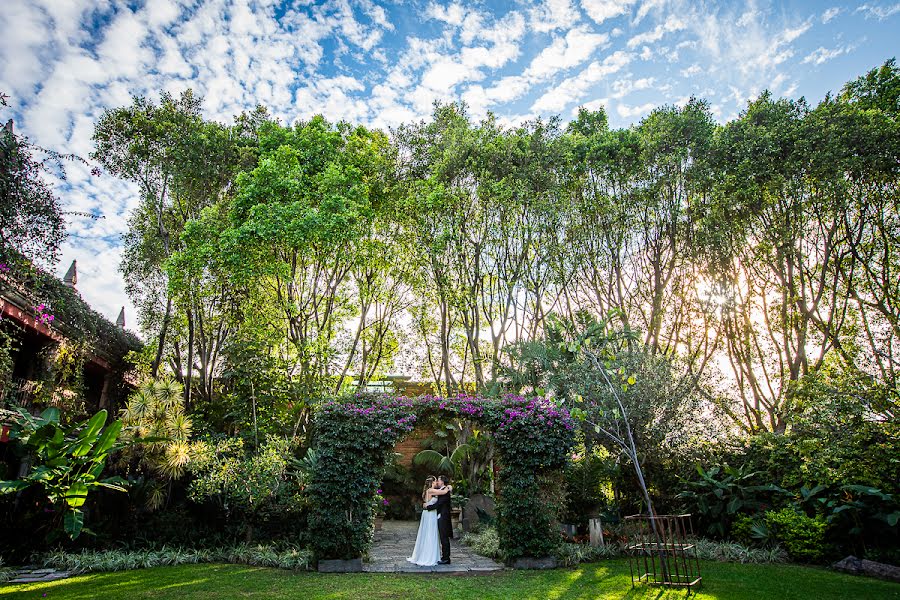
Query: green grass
[[609, 579]]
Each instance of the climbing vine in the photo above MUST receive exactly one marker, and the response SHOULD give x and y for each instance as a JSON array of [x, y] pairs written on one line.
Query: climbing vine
[[355, 436]]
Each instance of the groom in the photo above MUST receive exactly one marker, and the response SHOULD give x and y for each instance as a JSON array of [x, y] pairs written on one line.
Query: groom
[[445, 526]]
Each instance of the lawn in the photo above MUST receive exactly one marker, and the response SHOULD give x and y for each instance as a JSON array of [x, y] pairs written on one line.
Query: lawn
[[600, 580]]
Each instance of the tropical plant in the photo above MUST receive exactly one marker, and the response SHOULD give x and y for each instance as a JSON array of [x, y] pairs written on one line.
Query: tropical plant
[[159, 431], [723, 492], [67, 462], [462, 451]]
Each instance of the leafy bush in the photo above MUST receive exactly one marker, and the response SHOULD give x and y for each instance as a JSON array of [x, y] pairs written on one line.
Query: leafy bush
[[5, 572], [245, 485], [749, 530], [721, 493], [484, 542], [570, 554], [733, 552], [588, 484], [123, 560], [802, 536]]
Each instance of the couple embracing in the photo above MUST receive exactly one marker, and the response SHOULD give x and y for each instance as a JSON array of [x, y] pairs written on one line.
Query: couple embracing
[[435, 529]]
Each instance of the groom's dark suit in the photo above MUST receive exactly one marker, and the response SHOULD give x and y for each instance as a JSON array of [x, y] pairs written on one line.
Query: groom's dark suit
[[445, 526]]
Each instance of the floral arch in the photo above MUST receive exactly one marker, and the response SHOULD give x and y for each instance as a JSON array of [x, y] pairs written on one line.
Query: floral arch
[[355, 436]]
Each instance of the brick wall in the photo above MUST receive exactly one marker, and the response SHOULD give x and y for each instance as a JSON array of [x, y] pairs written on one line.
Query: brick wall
[[411, 446]]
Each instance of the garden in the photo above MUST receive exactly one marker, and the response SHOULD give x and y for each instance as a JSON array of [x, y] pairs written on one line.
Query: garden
[[575, 323]]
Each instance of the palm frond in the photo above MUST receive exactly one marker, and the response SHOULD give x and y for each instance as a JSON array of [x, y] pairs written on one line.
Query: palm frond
[[434, 460]]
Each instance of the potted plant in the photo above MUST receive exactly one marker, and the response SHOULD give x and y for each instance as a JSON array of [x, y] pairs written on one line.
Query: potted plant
[[381, 503], [458, 503]]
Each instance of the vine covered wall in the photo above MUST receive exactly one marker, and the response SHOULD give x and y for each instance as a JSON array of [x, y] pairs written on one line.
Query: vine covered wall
[[355, 436]]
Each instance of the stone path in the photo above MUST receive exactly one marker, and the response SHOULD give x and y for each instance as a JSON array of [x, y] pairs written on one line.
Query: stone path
[[34, 575], [395, 542]]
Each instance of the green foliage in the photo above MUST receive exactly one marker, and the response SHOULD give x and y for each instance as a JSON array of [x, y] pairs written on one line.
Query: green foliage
[[748, 530], [67, 462], [723, 492], [803, 537], [31, 218], [484, 542], [570, 555], [126, 560], [731, 552], [462, 451], [588, 485], [159, 433], [246, 484]]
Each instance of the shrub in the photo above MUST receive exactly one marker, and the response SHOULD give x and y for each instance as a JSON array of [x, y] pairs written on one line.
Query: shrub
[[246, 485], [733, 552], [5, 572], [123, 560], [802, 536], [484, 542], [570, 554]]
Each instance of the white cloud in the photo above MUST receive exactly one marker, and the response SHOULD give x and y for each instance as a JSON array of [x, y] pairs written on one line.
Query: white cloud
[[602, 10], [452, 14], [630, 112], [654, 35], [625, 86], [831, 13], [551, 15], [822, 55], [749, 53], [571, 90], [879, 12], [692, 70], [564, 53]]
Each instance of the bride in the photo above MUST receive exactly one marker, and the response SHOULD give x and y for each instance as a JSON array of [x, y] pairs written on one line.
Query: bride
[[427, 552]]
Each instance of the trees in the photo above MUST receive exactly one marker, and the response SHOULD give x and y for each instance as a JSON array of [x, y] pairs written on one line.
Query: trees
[[181, 164], [300, 222], [753, 251], [31, 219]]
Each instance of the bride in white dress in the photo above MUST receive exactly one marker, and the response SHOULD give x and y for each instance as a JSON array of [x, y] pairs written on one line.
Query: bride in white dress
[[427, 552]]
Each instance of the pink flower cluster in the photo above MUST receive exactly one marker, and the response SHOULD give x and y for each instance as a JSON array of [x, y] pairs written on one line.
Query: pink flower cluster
[[42, 315], [538, 409], [4, 268], [507, 409]]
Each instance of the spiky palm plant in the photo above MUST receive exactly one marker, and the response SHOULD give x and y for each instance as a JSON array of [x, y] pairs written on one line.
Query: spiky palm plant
[[154, 420]]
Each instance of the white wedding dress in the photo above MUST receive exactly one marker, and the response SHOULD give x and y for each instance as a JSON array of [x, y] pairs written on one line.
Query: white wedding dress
[[427, 552]]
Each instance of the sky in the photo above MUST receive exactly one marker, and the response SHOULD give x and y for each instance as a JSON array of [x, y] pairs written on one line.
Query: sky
[[384, 62]]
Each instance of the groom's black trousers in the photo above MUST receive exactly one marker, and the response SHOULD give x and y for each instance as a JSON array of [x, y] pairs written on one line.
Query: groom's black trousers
[[445, 525], [444, 534]]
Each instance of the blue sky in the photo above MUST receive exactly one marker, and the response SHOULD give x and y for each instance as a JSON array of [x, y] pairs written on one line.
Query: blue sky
[[382, 63]]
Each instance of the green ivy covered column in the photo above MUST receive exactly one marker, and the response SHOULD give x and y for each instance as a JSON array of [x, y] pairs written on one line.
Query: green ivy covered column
[[534, 440], [354, 441]]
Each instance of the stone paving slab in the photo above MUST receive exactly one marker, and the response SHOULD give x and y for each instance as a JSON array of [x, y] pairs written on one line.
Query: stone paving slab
[[395, 542], [38, 575]]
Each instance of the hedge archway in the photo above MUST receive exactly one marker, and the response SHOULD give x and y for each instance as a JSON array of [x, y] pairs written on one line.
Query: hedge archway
[[354, 439]]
